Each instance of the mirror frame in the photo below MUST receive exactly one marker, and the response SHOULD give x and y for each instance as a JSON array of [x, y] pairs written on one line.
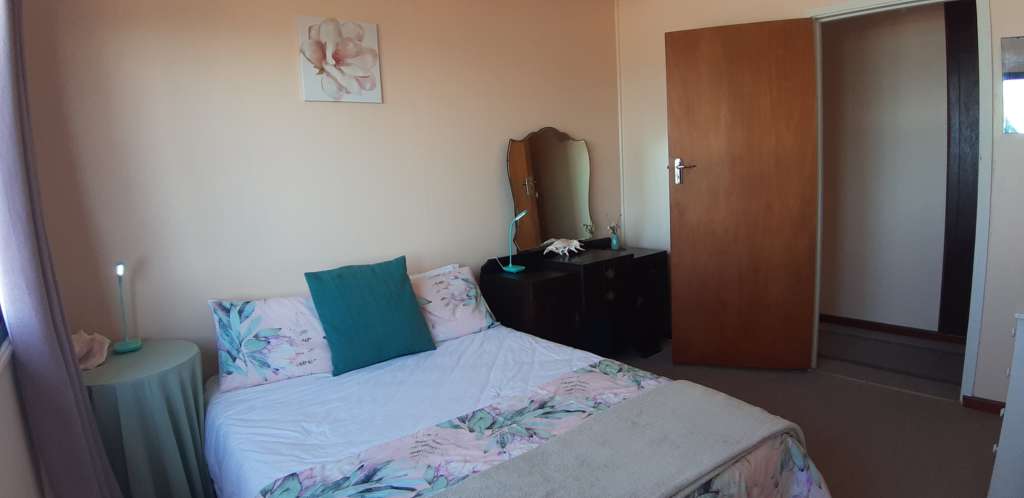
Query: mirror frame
[[561, 136]]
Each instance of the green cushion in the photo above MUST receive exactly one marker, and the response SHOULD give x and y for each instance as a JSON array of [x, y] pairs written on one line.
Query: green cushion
[[369, 313]]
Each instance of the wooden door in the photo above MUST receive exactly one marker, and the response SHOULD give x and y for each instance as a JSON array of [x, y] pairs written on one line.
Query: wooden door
[[742, 106], [524, 193]]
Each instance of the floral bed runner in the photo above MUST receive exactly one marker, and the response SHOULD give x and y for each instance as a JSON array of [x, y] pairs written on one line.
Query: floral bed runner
[[778, 467], [441, 456]]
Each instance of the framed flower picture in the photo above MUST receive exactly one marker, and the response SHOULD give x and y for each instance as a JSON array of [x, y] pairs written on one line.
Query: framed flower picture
[[338, 60]]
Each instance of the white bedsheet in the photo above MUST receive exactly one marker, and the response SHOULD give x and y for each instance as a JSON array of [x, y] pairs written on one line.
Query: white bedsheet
[[257, 434]]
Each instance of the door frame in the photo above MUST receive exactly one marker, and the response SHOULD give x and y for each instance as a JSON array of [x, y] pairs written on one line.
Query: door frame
[[985, 137]]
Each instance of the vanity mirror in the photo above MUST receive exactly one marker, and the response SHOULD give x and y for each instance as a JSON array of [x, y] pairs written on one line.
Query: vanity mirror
[[603, 299], [549, 174], [1013, 84]]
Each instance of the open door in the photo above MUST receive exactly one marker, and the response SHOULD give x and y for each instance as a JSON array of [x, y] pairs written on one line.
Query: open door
[[743, 183]]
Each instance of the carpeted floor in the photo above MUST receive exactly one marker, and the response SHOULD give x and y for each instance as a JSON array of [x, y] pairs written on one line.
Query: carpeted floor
[[868, 440]]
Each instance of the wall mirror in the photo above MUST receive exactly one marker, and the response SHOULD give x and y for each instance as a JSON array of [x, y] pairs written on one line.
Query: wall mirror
[[1013, 85], [549, 174]]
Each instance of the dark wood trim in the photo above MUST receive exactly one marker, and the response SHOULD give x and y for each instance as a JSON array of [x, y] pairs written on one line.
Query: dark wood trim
[[982, 404], [961, 166], [930, 335]]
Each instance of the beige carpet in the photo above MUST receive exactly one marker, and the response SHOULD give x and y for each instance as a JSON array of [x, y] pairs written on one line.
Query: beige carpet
[[868, 440]]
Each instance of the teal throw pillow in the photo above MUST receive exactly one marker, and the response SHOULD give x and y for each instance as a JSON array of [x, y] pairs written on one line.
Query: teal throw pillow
[[369, 313]]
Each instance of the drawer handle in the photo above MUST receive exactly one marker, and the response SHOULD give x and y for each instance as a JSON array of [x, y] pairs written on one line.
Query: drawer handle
[[610, 296], [610, 273]]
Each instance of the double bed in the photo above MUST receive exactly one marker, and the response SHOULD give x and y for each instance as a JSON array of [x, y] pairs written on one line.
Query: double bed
[[365, 432]]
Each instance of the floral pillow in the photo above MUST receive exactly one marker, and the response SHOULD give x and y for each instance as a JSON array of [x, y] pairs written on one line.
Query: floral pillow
[[436, 271], [451, 302], [267, 340]]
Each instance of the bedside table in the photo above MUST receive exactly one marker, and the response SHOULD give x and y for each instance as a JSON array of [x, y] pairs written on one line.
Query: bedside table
[[149, 409]]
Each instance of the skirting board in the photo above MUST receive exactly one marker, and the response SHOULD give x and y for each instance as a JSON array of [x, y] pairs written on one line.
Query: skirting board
[[892, 329], [982, 404]]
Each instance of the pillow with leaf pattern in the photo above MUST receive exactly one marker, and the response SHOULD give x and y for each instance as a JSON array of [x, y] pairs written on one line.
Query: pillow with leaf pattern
[[266, 340], [451, 302]]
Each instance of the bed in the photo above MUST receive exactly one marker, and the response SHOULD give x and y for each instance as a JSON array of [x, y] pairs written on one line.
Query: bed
[[321, 435]]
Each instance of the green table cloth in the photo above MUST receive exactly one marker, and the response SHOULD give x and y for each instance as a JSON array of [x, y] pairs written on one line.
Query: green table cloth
[[149, 408]]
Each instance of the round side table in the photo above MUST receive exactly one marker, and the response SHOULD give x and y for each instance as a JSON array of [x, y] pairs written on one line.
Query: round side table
[[149, 409]]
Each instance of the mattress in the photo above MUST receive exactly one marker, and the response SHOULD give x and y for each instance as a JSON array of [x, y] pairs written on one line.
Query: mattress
[[258, 434]]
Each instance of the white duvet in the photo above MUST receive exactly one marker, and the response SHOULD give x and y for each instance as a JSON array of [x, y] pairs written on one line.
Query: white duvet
[[257, 434]]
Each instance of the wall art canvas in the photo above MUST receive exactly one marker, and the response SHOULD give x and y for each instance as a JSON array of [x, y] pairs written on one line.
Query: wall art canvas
[[339, 60]]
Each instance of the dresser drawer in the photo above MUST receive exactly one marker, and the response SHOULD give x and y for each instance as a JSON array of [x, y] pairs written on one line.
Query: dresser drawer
[[605, 297], [541, 303], [606, 301], [651, 305]]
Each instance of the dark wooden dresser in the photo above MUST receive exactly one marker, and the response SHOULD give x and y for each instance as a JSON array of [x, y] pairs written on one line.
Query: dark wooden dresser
[[599, 300]]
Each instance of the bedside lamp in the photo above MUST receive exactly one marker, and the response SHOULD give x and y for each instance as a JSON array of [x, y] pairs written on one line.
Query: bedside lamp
[[511, 268], [127, 345]]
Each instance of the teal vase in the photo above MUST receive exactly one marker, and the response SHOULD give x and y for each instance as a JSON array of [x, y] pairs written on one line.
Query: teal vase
[[615, 242]]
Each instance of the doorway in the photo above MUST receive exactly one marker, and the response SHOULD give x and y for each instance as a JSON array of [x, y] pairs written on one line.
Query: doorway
[[900, 128], [717, 274]]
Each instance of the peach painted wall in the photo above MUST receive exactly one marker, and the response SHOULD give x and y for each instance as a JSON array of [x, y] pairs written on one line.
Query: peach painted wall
[[642, 25], [173, 135]]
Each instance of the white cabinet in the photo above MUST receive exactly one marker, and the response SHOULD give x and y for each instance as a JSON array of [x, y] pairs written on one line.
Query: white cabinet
[[1008, 473]]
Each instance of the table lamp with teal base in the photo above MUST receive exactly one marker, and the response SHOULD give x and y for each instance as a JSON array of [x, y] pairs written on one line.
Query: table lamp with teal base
[[127, 345], [511, 268]]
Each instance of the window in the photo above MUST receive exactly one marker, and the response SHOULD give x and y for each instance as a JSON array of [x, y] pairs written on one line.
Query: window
[[1013, 104], [1013, 84], [3, 327]]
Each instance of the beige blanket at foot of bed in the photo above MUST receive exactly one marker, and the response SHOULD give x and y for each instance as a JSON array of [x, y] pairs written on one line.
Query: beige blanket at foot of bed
[[663, 443]]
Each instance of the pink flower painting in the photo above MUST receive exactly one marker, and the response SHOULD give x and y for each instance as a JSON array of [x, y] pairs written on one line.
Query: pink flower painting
[[339, 60]]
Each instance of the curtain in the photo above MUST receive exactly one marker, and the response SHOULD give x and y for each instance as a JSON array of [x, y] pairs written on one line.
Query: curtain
[[69, 454]]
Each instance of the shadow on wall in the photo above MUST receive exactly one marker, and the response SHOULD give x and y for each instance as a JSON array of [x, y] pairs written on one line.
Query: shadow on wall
[[67, 222]]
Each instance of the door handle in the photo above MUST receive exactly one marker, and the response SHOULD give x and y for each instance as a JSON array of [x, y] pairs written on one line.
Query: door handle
[[679, 166]]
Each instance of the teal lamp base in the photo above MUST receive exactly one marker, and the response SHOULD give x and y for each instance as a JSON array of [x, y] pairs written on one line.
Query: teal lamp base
[[513, 268], [127, 346]]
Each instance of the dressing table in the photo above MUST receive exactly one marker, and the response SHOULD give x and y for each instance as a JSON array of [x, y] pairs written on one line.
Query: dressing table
[[601, 300]]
